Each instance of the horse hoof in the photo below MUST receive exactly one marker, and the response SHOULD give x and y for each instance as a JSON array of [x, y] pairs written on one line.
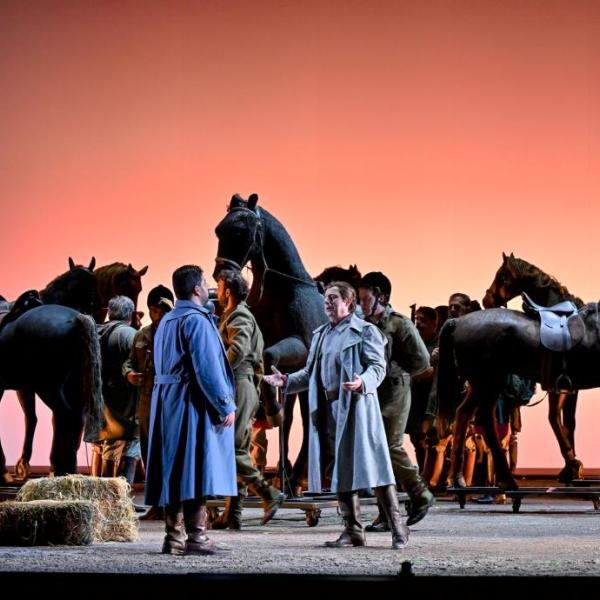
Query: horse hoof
[[508, 485], [22, 469]]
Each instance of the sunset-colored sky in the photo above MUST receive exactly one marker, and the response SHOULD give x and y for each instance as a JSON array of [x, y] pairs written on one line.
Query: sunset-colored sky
[[420, 138]]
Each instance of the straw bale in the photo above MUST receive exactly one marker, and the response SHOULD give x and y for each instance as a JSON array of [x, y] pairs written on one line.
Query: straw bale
[[46, 523], [114, 518]]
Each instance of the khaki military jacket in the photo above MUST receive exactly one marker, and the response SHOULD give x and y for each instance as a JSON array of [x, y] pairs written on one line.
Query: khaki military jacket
[[243, 341]]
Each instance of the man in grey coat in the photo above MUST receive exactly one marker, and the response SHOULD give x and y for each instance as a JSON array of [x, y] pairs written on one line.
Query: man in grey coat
[[345, 365]]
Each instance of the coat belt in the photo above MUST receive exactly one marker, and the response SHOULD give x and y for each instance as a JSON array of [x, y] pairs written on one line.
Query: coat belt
[[166, 379]]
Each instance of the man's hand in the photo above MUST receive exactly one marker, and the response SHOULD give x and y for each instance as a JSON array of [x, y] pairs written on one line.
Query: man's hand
[[229, 420], [135, 378], [278, 379], [356, 385]]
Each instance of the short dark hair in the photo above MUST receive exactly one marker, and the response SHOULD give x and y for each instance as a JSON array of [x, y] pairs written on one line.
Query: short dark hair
[[464, 298], [185, 279], [347, 292], [235, 283], [429, 313]]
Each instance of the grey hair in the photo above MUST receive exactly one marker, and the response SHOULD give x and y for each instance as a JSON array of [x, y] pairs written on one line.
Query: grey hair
[[120, 308]]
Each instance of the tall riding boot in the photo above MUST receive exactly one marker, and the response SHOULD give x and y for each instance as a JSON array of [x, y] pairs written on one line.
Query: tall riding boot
[[109, 468], [386, 495], [380, 524], [96, 466], [353, 534], [196, 517], [174, 542], [421, 499], [231, 517], [128, 467], [270, 499]]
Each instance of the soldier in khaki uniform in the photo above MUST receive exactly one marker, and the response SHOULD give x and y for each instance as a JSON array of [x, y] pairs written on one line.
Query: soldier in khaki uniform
[[138, 369], [406, 357], [244, 344]]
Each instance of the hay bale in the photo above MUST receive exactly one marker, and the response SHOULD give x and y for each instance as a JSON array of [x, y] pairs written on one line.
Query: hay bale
[[114, 518], [46, 523]]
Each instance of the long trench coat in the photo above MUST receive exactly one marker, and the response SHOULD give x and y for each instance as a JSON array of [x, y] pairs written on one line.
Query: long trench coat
[[362, 458], [190, 453]]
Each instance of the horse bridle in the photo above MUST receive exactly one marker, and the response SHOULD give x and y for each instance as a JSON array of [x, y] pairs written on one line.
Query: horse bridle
[[257, 242]]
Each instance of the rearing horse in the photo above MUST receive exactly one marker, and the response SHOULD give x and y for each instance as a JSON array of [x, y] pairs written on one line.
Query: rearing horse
[[283, 298], [514, 277]]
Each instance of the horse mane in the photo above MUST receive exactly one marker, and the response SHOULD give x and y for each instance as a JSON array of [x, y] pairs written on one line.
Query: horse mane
[[543, 279], [350, 275]]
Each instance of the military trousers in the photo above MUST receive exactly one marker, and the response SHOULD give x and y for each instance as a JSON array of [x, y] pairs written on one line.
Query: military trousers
[[394, 400], [246, 401]]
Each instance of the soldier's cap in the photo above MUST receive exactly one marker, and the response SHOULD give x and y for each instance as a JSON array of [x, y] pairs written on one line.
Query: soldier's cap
[[161, 297], [376, 280]]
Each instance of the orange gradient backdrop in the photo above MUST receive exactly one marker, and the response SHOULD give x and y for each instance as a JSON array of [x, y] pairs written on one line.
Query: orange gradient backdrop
[[418, 138]]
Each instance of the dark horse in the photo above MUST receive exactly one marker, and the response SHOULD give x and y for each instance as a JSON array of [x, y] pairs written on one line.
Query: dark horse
[[75, 289], [514, 277], [284, 298], [53, 351], [483, 348], [119, 279]]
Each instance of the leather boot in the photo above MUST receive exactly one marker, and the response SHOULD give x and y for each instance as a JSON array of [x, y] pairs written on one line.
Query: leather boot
[[96, 466], [231, 517], [353, 534], [196, 516], [380, 524], [109, 468], [270, 499], [386, 495], [174, 542], [155, 513], [421, 499], [128, 467]]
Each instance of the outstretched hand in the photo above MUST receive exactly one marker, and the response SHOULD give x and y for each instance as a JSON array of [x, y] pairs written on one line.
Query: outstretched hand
[[278, 379], [355, 385]]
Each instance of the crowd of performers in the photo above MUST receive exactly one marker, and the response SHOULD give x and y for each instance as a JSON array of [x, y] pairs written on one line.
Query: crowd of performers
[[197, 379]]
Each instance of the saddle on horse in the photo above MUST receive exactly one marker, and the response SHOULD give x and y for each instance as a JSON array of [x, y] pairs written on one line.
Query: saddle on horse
[[26, 301], [561, 328]]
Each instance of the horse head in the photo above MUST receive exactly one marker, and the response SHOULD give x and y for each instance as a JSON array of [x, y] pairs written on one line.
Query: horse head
[[505, 284], [75, 289], [240, 234], [128, 282]]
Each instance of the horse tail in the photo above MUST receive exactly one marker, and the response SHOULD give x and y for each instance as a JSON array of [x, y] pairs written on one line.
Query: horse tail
[[448, 382], [93, 403]]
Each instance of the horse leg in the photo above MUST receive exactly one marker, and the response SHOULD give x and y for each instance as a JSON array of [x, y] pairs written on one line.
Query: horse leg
[[568, 415], [4, 474], [27, 402], [464, 414], [68, 425], [301, 464], [504, 478], [556, 404], [290, 353]]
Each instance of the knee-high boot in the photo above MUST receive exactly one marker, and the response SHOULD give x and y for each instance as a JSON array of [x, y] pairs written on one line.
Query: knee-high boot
[[353, 534], [388, 499], [195, 515], [174, 542], [231, 518]]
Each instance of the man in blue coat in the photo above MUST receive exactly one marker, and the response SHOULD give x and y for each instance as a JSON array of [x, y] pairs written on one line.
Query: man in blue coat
[[191, 442]]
